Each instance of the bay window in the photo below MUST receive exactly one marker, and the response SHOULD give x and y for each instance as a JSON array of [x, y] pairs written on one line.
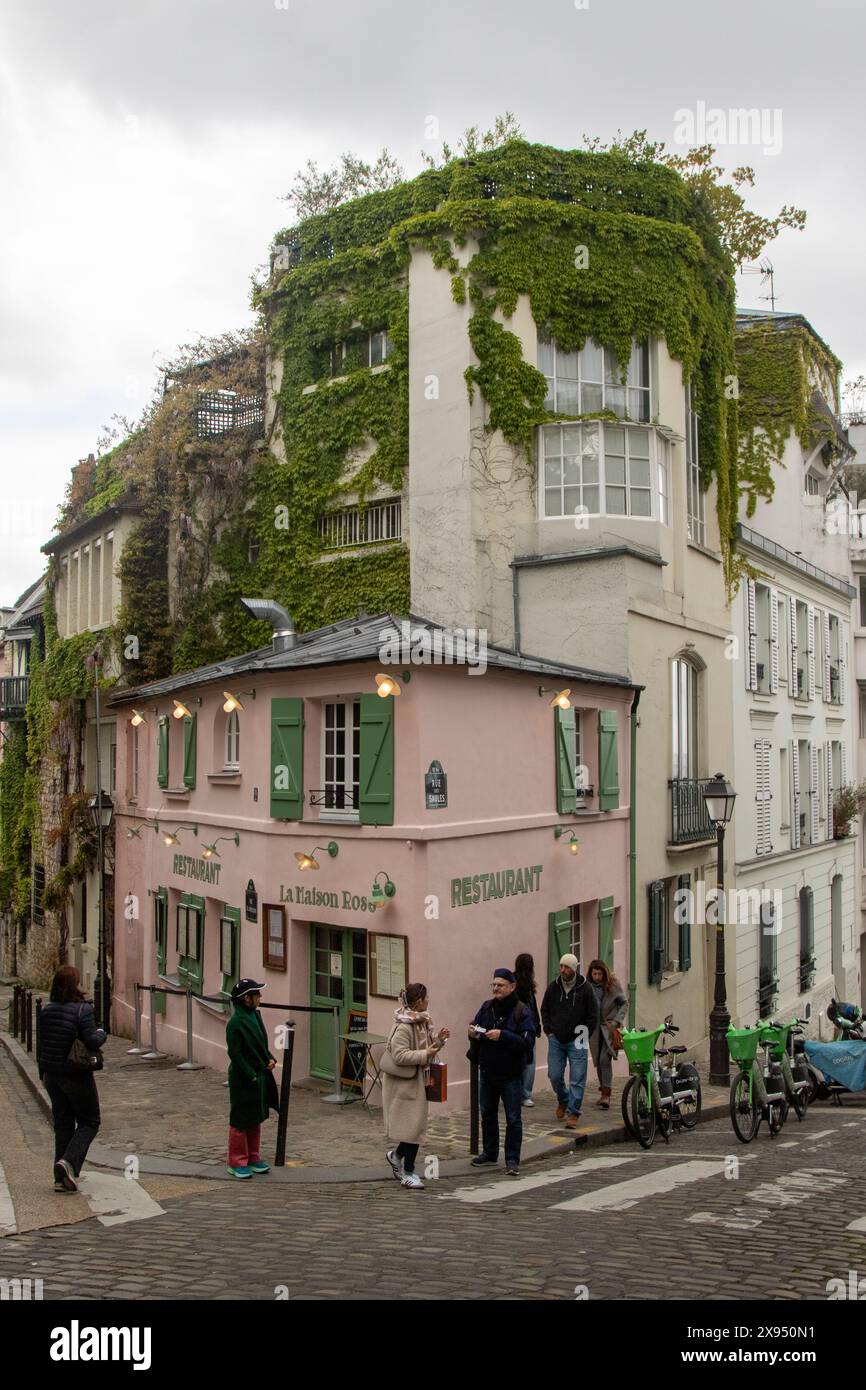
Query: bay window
[[599, 468], [580, 383]]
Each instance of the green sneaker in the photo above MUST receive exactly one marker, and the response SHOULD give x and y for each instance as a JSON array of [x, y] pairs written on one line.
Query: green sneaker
[[240, 1172], [259, 1166]]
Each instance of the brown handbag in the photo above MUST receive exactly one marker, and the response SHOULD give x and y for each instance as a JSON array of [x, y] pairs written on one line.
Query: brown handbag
[[80, 1056], [437, 1087]]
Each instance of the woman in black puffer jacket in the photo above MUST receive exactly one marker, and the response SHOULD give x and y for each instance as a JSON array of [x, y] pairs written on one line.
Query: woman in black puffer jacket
[[72, 1090]]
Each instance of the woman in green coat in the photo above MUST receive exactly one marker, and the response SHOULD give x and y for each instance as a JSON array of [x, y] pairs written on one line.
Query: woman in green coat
[[252, 1089]]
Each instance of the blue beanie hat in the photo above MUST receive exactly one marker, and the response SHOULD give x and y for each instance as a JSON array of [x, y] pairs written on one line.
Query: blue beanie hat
[[504, 974]]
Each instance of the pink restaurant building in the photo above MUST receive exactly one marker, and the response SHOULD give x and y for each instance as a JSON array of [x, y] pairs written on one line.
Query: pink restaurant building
[[489, 822]]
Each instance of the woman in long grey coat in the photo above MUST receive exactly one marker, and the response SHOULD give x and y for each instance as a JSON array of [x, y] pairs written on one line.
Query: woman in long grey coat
[[409, 1051], [604, 1043]]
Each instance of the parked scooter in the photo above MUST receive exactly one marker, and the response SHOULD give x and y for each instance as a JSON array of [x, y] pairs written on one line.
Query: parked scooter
[[849, 1025]]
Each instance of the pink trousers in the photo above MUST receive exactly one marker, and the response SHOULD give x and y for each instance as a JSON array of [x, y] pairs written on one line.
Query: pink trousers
[[244, 1146]]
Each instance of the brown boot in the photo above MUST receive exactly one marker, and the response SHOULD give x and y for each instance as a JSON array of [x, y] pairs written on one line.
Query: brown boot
[[560, 1112], [604, 1099], [572, 1121]]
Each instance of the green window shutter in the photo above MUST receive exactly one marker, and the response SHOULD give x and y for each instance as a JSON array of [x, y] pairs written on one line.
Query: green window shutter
[[608, 761], [191, 963], [566, 759], [189, 751], [376, 791], [558, 939], [287, 758], [656, 954], [160, 907], [684, 915], [162, 764], [605, 931]]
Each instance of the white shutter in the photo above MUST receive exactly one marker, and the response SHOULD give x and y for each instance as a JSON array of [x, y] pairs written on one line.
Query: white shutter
[[763, 822], [774, 641], [826, 621], [843, 664], [843, 762], [814, 803], [751, 638], [795, 795], [810, 629], [792, 646], [828, 753]]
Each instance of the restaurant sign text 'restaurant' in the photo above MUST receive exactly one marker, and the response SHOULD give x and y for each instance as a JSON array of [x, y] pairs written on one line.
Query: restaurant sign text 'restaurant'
[[187, 867], [504, 883]]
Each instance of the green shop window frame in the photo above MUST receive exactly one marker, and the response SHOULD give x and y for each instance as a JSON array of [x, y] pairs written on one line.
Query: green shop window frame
[[230, 948], [190, 941], [160, 932]]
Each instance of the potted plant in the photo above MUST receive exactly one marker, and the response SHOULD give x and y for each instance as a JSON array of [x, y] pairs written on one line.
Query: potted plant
[[848, 801]]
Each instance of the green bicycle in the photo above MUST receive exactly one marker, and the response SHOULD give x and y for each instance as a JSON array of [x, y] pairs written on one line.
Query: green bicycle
[[797, 1081], [658, 1094], [758, 1090]]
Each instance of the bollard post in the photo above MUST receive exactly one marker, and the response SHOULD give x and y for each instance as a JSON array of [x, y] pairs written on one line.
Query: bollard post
[[16, 990], [189, 1064], [285, 1095], [154, 1055], [28, 1019], [473, 1107], [138, 1050], [338, 1096], [38, 1027]]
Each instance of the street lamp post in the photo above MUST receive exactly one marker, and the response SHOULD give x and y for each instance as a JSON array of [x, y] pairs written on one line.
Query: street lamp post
[[719, 797], [101, 808]]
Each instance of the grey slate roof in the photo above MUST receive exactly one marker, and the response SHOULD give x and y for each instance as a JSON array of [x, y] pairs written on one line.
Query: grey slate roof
[[356, 639]]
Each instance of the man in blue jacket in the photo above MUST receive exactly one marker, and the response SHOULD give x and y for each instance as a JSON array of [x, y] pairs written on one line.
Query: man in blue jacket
[[503, 1029]]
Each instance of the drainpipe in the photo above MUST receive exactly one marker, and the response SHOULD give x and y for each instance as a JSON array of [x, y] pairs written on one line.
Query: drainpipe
[[632, 865]]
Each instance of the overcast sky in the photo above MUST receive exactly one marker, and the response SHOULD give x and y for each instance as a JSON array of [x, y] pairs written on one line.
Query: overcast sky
[[144, 148]]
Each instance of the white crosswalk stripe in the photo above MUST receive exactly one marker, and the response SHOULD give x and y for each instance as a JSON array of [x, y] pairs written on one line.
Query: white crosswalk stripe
[[8, 1225], [510, 1187], [115, 1199], [619, 1196], [858, 1225]]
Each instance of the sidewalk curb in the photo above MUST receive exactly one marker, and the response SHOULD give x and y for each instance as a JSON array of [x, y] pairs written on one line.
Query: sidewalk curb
[[105, 1157]]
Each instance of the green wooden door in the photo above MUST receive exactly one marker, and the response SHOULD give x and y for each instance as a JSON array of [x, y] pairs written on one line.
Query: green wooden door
[[338, 969], [160, 926]]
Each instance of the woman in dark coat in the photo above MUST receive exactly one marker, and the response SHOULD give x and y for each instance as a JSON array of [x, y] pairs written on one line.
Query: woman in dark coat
[[71, 1088], [524, 969], [252, 1089]]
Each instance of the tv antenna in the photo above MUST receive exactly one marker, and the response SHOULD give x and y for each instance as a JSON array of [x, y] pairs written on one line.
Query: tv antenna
[[766, 271]]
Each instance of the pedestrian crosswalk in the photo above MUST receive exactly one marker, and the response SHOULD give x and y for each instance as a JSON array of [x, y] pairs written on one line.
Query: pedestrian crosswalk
[[111, 1198]]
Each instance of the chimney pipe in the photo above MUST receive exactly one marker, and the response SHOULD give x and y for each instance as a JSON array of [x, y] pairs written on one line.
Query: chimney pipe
[[281, 621]]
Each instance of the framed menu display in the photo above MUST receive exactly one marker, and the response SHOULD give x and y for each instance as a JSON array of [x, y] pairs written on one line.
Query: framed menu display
[[274, 936], [389, 964]]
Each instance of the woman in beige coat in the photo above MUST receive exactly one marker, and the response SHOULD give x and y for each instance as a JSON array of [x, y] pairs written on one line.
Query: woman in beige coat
[[411, 1047]]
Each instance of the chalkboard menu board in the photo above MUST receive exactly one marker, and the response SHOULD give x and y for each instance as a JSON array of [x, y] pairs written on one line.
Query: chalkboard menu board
[[353, 1064]]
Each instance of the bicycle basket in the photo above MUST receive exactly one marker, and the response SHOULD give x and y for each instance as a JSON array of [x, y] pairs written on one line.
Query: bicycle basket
[[743, 1043], [639, 1047]]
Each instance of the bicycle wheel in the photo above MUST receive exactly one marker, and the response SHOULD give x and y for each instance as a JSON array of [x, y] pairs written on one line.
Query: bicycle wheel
[[643, 1115], [690, 1110], [800, 1104], [777, 1114], [626, 1105], [745, 1117]]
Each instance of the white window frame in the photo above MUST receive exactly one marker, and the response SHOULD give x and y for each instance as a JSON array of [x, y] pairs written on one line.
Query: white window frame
[[134, 762], [345, 528], [608, 388], [232, 745], [375, 344], [329, 759], [657, 461], [685, 744], [696, 509]]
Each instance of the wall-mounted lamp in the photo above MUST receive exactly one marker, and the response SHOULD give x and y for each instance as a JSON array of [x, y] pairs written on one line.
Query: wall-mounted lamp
[[208, 851], [387, 685], [134, 831], [137, 718], [181, 711], [382, 892], [309, 861], [574, 842], [233, 702], [170, 837], [560, 698]]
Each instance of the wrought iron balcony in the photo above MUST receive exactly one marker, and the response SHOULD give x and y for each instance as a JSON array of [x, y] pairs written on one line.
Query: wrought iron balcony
[[13, 696], [690, 820]]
